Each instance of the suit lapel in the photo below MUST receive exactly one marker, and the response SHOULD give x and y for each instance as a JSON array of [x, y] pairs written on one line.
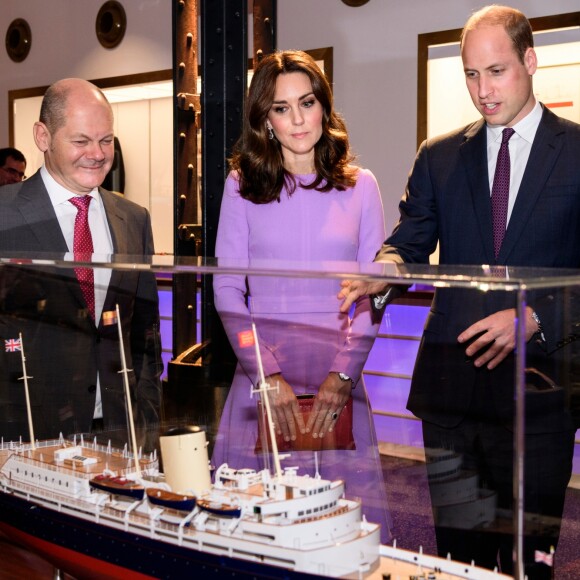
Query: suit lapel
[[474, 154], [116, 219], [38, 213], [545, 150]]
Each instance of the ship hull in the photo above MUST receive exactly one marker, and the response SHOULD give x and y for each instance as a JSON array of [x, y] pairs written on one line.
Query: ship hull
[[89, 550]]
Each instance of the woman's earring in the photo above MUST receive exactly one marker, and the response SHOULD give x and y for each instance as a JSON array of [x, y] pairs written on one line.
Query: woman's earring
[[270, 133]]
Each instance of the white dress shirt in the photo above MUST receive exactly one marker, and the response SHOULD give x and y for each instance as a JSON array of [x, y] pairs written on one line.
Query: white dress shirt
[[519, 145], [66, 214]]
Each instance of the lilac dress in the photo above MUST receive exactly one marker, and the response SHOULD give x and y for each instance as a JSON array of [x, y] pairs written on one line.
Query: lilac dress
[[301, 332]]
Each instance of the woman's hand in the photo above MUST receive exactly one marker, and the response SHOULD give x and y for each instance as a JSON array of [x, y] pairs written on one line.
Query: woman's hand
[[332, 396], [285, 410]]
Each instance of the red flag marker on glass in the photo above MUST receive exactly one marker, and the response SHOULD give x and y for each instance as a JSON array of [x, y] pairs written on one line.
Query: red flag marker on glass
[[246, 338]]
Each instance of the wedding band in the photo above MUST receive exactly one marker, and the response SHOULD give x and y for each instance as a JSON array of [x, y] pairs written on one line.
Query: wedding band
[[334, 416]]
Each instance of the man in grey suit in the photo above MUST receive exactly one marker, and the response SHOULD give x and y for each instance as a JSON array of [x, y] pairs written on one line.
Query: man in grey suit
[[462, 386], [70, 336]]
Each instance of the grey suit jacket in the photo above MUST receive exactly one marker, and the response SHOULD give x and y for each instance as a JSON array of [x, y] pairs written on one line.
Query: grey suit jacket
[[447, 200], [65, 350]]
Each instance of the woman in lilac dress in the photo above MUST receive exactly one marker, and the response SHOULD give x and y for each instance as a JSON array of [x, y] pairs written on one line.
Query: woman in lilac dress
[[294, 195]]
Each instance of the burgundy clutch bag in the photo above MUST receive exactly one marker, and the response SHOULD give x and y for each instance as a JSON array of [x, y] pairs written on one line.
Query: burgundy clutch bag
[[340, 437]]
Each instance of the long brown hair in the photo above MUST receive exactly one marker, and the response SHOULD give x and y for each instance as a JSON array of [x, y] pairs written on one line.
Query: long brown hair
[[258, 160]]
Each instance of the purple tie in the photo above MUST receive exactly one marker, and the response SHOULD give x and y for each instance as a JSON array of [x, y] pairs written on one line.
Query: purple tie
[[83, 249], [500, 192]]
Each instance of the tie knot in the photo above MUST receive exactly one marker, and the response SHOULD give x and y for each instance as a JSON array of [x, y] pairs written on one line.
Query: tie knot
[[506, 135], [81, 202]]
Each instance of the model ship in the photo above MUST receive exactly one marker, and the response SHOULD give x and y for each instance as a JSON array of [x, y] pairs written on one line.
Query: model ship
[[458, 500], [99, 512]]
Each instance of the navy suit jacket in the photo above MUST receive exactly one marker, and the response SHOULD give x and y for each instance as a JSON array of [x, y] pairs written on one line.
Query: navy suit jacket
[[64, 348], [447, 201]]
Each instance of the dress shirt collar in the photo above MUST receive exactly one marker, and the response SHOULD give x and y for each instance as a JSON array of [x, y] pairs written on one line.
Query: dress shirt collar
[[59, 194], [525, 129]]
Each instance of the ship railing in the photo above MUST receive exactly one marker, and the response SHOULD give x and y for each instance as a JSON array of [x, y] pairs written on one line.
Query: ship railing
[[50, 496], [22, 447], [61, 469], [152, 525], [145, 458], [61, 502], [313, 518], [148, 464], [93, 445]]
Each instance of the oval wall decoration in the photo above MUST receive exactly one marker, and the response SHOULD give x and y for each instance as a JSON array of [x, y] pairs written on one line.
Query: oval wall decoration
[[111, 24], [355, 3], [18, 40]]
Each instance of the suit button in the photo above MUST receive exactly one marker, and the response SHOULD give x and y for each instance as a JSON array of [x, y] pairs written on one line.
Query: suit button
[[92, 388]]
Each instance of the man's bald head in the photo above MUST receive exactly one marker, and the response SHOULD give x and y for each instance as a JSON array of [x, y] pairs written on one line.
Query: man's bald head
[[58, 95]]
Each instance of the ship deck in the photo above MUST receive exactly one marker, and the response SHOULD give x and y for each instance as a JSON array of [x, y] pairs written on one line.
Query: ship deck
[[44, 453]]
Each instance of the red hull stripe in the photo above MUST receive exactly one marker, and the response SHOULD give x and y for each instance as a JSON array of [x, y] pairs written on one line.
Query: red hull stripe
[[70, 561]]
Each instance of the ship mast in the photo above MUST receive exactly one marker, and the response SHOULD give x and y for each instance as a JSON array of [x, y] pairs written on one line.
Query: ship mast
[[125, 371], [263, 390], [25, 378]]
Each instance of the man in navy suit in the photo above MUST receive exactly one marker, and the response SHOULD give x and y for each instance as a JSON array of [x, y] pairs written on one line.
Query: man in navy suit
[[72, 345], [462, 386]]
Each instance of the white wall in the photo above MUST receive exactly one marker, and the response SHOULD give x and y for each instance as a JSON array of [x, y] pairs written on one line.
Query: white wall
[[375, 68], [64, 44]]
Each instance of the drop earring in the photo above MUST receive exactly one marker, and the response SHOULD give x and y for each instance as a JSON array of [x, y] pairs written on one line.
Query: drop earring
[[270, 133]]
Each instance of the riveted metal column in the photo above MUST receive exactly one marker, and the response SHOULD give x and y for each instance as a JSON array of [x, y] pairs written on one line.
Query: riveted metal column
[[264, 29], [187, 240], [223, 74]]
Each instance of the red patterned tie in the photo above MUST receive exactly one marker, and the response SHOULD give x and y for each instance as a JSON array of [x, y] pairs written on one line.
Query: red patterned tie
[[83, 249], [500, 192]]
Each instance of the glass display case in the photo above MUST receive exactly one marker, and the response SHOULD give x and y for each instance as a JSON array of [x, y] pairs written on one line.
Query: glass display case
[[288, 434]]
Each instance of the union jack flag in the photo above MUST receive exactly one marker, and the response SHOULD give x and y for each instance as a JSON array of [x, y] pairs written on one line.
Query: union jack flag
[[544, 558], [13, 345]]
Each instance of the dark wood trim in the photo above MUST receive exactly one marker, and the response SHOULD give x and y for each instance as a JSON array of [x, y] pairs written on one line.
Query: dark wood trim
[[416, 298], [134, 79], [424, 41], [556, 21], [325, 54]]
